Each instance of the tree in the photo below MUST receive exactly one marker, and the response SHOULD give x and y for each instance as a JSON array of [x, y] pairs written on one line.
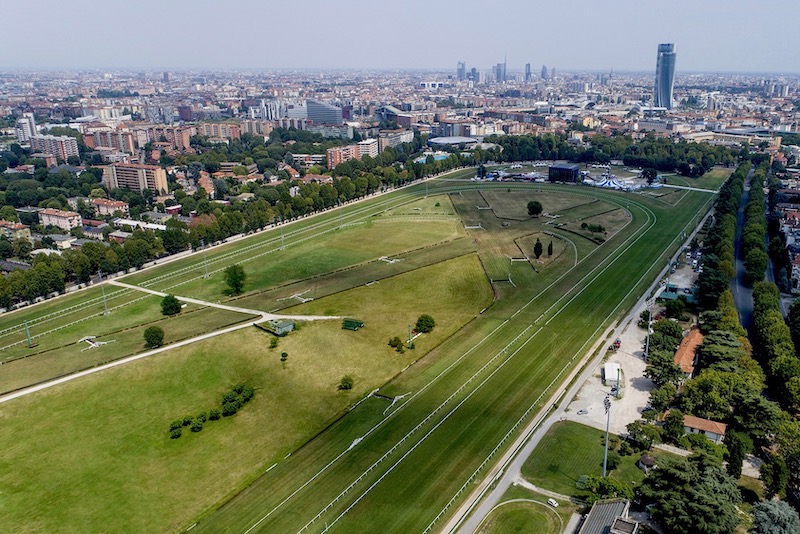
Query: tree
[[739, 446], [153, 337], [425, 323], [692, 495], [170, 305], [550, 249], [662, 397], [235, 278], [534, 208], [675, 308], [673, 425], [661, 368], [346, 382], [774, 517], [775, 474], [537, 248]]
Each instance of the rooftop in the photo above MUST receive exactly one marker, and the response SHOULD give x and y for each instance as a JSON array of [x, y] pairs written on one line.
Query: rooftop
[[706, 425], [684, 356]]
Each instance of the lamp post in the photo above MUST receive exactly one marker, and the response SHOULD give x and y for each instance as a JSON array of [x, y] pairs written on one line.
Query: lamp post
[[607, 405]]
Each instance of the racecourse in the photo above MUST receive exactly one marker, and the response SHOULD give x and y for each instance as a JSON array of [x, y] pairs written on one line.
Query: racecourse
[[401, 459], [407, 470]]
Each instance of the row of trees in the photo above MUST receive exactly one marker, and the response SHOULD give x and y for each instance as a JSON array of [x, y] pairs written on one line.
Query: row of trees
[[690, 159], [720, 240], [51, 273], [754, 232]]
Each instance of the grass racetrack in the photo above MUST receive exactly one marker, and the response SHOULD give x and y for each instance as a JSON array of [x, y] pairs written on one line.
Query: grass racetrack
[[393, 462]]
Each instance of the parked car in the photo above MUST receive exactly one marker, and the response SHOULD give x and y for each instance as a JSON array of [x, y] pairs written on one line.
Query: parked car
[[553, 503]]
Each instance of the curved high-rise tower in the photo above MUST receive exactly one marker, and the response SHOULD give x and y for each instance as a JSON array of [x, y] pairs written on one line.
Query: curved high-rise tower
[[665, 75]]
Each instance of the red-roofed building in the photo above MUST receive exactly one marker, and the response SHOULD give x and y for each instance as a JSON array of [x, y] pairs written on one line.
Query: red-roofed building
[[685, 356], [105, 207], [713, 430], [66, 220]]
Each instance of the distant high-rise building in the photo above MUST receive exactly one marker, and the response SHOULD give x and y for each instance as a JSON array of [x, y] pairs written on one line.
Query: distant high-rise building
[[135, 177], [322, 113], [553, 73], [26, 128], [665, 76], [527, 72], [165, 77], [544, 72], [498, 72], [461, 71], [473, 75]]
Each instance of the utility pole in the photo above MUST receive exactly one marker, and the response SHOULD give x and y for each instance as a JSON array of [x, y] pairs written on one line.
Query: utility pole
[[607, 405]]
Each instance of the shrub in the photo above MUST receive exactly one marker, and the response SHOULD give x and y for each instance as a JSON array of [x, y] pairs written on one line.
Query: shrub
[[230, 408], [214, 414], [175, 433], [201, 417], [346, 382], [175, 424], [229, 397], [238, 388], [613, 460], [197, 426], [273, 343], [247, 394], [188, 420]]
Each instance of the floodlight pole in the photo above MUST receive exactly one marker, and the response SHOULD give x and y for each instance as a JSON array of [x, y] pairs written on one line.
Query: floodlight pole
[[28, 334], [649, 322], [607, 405], [340, 213], [280, 219], [410, 340]]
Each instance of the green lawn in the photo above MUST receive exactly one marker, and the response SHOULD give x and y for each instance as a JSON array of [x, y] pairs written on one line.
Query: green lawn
[[713, 179], [119, 471], [523, 517], [570, 450]]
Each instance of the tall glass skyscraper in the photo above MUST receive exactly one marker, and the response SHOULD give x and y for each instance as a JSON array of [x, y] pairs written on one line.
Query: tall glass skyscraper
[[665, 75]]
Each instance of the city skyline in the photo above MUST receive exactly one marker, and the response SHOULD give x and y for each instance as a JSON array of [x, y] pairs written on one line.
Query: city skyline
[[596, 40]]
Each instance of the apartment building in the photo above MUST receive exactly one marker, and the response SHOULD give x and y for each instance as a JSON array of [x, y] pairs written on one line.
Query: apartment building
[[135, 177], [61, 146], [66, 220], [105, 207]]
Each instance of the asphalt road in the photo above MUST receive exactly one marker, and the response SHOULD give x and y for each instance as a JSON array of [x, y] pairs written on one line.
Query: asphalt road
[[742, 294]]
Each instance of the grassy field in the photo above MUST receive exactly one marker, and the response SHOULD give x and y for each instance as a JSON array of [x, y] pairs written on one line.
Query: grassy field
[[124, 335], [522, 516], [713, 179], [570, 450], [118, 469], [398, 460], [462, 401]]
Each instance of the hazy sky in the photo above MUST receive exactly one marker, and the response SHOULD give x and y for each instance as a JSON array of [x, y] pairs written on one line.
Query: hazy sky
[[710, 35]]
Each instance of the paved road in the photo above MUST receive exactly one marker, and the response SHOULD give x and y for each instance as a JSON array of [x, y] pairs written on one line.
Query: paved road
[[508, 468], [264, 315], [742, 294]]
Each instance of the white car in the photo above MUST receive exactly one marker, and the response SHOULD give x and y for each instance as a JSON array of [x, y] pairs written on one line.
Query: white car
[[553, 503]]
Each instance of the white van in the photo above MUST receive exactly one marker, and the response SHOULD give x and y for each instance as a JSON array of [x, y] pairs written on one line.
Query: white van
[[553, 503]]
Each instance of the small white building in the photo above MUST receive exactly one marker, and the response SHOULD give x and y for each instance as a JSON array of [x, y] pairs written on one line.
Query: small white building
[[611, 372]]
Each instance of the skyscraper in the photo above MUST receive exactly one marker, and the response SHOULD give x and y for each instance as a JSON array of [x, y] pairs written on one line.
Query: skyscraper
[[544, 72], [527, 72], [461, 71], [665, 76]]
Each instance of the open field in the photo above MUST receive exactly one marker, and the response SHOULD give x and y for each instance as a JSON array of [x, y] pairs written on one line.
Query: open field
[[392, 461], [466, 398], [293, 402]]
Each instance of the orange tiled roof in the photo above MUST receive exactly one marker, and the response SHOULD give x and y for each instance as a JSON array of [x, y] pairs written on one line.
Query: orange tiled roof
[[684, 356]]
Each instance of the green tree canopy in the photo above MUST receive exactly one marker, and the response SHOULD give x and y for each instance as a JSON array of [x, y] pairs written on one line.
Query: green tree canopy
[[235, 278], [170, 305]]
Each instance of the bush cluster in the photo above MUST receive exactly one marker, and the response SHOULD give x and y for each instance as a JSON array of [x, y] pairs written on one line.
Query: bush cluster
[[232, 402], [397, 344]]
